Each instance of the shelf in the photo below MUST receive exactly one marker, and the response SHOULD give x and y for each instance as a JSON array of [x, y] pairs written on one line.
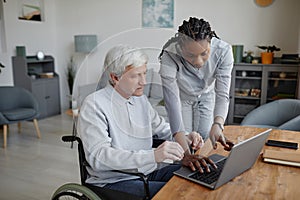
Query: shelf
[[274, 81], [248, 77], [39, 79], [239, 116], [283, 79], [281, 96], [247, 97], [33, 59]]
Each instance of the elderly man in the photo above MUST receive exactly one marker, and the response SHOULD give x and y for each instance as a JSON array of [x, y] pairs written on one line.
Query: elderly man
[[117, 124]]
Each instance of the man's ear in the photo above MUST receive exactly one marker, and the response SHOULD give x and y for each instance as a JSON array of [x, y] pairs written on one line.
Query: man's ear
[[114, 78]]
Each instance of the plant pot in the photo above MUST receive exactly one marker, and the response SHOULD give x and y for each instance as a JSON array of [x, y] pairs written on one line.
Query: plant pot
[[248, 58], [267, 57], [237, 53]]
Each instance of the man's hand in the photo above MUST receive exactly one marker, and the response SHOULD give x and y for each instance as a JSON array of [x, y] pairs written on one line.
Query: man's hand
[[195, 140], [216, 135], [198, 162], [168, 150]]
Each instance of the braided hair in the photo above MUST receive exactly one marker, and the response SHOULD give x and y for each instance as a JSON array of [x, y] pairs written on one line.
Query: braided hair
[[196, 29]]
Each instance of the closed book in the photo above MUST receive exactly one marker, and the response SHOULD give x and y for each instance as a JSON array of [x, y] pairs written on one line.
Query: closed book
[[282, 157]]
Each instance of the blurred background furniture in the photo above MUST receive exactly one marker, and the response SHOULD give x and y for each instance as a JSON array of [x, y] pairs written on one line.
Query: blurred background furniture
[[253, 85], [17, 104], [39, 77], [280, 114]]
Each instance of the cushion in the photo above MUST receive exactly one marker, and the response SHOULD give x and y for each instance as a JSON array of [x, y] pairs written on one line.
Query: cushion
[[293, 124], [19, 114]]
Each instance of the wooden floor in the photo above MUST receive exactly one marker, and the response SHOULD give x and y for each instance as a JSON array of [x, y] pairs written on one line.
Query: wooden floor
[[32, 168]]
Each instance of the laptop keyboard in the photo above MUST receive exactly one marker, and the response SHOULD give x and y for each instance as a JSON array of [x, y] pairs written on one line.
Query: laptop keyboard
[[209, 177]]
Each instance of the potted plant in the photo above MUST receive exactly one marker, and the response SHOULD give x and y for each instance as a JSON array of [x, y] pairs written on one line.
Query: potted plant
[[1, 66], [267, 56], [249, 57], [71, 72]]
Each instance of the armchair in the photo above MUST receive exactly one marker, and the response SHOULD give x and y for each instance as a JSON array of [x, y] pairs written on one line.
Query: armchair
[[279, 114], [17, 104]]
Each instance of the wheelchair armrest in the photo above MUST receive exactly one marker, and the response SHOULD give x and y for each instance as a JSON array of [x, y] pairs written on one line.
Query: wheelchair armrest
[[144, 179], [72, 138], [68, 138], [141, 175]]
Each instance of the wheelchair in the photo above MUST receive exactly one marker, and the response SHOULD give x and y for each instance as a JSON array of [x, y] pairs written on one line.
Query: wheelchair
[[85, 191]]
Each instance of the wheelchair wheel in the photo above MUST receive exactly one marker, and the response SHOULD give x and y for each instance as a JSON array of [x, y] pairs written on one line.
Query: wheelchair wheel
[[74, 191]]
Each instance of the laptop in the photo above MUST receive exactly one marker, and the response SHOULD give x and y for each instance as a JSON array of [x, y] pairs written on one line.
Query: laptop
[[241, 158]]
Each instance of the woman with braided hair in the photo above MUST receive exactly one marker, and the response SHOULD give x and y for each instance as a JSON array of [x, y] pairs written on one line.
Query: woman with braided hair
[[196, 73]]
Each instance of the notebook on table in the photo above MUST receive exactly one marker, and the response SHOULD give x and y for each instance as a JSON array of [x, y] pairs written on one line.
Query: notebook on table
[[282, 157], [241, 158]]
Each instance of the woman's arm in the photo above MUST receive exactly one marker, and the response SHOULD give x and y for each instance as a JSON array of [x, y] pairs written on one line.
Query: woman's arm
[[222, 88], [223, 81], [168, 72]]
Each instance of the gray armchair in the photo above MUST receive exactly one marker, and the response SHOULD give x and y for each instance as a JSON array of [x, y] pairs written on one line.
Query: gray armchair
[[279, 114], [17, 104]]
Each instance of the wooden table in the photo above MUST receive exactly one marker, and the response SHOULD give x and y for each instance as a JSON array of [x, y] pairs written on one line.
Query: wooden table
[[262, 181]]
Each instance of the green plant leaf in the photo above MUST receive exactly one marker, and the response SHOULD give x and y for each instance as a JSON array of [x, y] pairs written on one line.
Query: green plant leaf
[[71, 73], [269, 48]]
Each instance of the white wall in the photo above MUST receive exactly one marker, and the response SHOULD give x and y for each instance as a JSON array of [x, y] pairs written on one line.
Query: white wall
[[115, 21], [244, 22], [31, 34], [3, 51]]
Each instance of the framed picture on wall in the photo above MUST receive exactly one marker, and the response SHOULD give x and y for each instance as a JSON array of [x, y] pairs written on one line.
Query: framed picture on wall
[[158, 13], [31, 10]]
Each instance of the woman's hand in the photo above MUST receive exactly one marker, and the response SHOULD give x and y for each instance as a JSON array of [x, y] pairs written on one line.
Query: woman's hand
[[195, 140], [216, 135]]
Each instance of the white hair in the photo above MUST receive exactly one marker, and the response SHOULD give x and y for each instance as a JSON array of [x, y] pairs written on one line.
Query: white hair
[[122, 56]]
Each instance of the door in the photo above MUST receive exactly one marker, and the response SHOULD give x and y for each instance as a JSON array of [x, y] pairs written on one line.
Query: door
[[39, 91], [52, 97]]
